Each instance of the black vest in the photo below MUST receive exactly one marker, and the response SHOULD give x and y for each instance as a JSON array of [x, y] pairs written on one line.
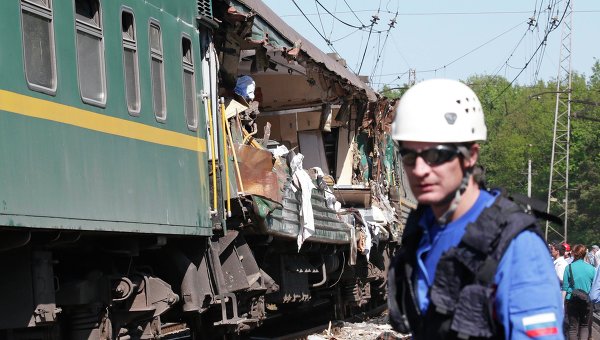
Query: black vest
[[463, 292]]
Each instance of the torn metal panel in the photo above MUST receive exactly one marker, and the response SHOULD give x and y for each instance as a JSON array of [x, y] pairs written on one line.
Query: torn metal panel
[[284, 221], [271, 206], [256, 169]]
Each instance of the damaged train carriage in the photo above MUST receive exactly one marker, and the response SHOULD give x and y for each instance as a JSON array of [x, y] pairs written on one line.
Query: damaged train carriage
[[136, 204], [321, 200]]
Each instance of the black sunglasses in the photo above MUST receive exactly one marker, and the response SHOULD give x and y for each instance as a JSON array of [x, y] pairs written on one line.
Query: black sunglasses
[[432, 156]]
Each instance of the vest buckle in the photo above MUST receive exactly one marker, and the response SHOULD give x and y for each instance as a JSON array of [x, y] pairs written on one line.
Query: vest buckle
[[441, 310]]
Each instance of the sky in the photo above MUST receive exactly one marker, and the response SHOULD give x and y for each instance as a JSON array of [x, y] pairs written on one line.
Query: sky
[[447, 38]]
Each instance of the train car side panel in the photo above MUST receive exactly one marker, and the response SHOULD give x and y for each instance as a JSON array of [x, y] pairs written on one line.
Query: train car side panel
[[76, 165]]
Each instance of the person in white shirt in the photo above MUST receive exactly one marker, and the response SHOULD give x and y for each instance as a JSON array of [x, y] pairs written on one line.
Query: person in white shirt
[[596, 252], [560, 263]]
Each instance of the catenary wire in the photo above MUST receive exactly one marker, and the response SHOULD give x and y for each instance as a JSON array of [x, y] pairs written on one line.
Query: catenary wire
[[473, 50], [321, 21], [366, 45], [533, 24], [353, 12], [534, 53], [440, 13], [333, 20], [336, 18], [392, 23], [329, 43]]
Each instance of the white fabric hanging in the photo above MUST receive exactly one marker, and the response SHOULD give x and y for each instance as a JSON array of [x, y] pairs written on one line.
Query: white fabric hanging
[[303, 181]]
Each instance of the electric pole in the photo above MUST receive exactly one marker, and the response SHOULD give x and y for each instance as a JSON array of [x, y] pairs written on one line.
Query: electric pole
[[558, 188]]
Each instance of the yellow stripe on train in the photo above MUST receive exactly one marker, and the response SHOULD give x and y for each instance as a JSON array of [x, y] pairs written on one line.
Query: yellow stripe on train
[[43, 109]]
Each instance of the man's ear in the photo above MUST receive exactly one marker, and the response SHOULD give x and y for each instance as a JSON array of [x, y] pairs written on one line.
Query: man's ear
[[473, 155]]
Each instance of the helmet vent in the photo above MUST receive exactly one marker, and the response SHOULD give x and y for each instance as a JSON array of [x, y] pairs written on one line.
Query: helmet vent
[[467, 110], [458, 101], [450, 117]]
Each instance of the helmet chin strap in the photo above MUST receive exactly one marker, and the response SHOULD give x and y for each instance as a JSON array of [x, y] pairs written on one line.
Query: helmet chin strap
[[457, 196]]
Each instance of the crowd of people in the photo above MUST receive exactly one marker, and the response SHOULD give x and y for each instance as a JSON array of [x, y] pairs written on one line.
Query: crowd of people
[[577, 270]]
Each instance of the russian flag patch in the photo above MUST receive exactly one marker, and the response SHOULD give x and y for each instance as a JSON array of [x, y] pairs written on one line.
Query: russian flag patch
[[540, 325]]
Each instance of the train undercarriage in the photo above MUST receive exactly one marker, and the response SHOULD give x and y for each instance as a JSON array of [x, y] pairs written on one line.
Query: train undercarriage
[[75, 286]]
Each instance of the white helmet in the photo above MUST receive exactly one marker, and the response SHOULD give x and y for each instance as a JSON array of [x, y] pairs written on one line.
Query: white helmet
[[439, 110]]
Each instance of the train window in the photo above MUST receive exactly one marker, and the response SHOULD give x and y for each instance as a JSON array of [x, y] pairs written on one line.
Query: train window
[[158, 75], [38, 45], [189, 88], [44, 3], [88, 12], [130, 63], [90, 52]]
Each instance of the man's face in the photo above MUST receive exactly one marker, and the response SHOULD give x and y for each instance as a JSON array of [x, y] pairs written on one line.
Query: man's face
[[432, 184], [553, 252]]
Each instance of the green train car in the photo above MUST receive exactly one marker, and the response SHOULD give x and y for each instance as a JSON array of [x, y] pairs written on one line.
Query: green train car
[[104, 137], [117, 180], [101, 130]]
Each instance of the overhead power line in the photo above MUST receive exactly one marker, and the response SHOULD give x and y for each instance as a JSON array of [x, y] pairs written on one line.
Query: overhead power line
[[338, 19], [313, 26], [532, 24], [353, 12], [321, 21], [373, 22], [555, 24], [436, 13], [392, 24], [473, 50], [363, 27]]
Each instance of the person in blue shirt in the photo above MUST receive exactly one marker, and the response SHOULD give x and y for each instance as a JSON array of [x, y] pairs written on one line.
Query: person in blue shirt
[[472, 263], [595, 290], [578, 275]]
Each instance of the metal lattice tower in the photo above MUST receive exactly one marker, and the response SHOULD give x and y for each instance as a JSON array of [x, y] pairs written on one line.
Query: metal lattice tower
[[412, 77], [558, 189]]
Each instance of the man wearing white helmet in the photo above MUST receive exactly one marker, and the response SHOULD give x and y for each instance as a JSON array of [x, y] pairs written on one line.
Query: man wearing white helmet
[[472, 264]]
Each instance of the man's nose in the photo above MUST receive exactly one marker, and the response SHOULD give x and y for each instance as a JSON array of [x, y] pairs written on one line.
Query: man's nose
[[421, 167]]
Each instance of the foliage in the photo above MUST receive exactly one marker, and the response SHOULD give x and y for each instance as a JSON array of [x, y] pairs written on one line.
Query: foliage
[[520, 121], [392, 92]]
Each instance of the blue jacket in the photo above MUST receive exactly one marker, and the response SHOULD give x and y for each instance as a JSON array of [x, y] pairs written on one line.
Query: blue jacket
[[528, 302]]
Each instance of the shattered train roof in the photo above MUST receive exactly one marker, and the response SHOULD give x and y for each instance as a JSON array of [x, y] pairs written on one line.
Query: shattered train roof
[[280, 34]]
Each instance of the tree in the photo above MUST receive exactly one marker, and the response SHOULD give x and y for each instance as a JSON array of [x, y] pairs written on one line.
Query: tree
[[520, 123], [393, 92]]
